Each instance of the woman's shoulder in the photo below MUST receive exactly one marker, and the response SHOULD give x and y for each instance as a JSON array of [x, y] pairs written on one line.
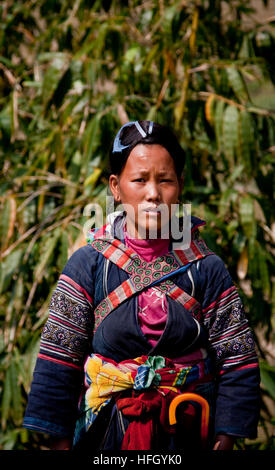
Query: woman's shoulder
[[84, 254], [213, 272], [213, 262], [82, 264]]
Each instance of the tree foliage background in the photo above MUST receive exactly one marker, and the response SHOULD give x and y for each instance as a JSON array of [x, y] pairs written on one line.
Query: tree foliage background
[[71, 73]]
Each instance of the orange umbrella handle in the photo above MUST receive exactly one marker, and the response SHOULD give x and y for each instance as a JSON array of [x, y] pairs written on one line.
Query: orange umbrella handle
[[204, 411]]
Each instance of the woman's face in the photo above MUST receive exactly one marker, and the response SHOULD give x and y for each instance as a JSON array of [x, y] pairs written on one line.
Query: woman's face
[[147, 188]]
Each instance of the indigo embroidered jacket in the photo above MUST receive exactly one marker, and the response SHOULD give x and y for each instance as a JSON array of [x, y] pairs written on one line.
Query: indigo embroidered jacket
[[93, 309]]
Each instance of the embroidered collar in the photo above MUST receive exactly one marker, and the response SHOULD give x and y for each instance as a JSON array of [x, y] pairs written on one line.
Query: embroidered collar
[[119, 223], [109, 240], [115, 228]]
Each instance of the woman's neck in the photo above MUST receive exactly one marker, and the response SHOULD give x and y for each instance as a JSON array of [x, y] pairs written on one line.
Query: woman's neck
[[146, 234], [147, 248]]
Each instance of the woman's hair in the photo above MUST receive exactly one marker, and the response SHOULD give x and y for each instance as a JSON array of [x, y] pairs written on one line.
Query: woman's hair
[[144, 132]]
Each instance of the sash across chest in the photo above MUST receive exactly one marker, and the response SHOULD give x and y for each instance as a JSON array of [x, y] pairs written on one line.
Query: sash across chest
[[143, 275]]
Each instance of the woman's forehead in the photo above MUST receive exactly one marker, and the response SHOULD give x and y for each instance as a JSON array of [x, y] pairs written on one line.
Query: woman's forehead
[[149, 158], [149, 154]]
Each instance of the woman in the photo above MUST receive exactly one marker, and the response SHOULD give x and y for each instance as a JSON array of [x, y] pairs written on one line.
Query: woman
[[147, 320]]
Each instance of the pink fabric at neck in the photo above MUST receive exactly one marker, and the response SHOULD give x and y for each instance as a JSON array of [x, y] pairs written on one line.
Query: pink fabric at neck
[[147, 249], [152, 306]]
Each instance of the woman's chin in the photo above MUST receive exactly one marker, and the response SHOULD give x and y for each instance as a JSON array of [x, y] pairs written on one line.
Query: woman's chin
[[153, 230]]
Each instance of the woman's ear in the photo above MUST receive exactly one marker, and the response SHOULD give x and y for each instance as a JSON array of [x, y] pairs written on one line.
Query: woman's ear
[[114, 187]]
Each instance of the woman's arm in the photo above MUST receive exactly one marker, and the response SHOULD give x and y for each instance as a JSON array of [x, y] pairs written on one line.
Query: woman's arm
[[65, 340], [232, 345]]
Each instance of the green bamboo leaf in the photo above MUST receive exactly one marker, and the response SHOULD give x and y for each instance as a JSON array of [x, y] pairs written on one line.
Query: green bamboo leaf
[[64, 250], [100, 40], [237, 83], [74, 175], [93, 177], [18, 293], [93, 42], [219, 110], [167, 19], [7, 221], [2, 343], [24, 435], [264, 273], [62, 88], [43, 312], [230, 134], [246, 211], [6, 120], [253, 259], [224, 84], [58, 148], [91, 141], [245, 142], [75, 166], [91, 72], [4, 223], [271, 131], [8, 441], [151, 113], [225, 200], [150, 57], [246, 50], [6, 398], [8, 267], [131, 54], [17, 408], [86, 47], [31, 358], [232, 228], [52, 78], [21, 370], [46, 254]]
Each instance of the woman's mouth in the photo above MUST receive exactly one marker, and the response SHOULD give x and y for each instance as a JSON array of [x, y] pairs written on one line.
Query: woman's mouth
[[153, 210]]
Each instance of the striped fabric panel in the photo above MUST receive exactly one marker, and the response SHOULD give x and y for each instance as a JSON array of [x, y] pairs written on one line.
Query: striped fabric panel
[[251, 365], [180, 257], [239, 361], [77, 290], [64, 338], [229, 333], [102, 310], [115, 298], [186, 300], [114, 250], [114, 253], [127, 289], [230, 295]]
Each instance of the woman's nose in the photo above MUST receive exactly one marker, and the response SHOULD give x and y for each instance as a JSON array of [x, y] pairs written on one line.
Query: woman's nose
[[152, 192]]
